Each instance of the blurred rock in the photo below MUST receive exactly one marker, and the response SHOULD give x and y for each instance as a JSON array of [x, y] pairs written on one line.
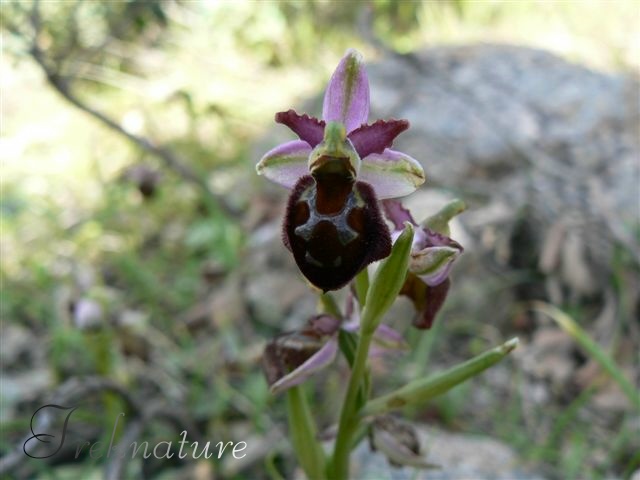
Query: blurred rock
[[273, 295], [459, 457], [549, 356], [543, 151], [22, 387], [533, 142], [16, 347]]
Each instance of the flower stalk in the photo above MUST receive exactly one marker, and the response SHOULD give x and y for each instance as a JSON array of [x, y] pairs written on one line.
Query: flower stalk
[[380, 296]]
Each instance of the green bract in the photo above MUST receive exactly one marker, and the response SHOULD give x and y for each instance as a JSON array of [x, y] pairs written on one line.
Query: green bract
[[388, 281], [423, 389]]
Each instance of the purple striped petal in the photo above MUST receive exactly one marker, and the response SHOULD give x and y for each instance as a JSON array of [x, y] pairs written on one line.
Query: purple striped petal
[[391, 173], [397, 214], [347, 97], [317, 361], [309, 129], [425, 237], [286, 163], [376, 137], [433, 264]]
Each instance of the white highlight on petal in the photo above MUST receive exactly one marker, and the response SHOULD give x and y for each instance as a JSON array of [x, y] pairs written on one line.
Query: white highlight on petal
[[391, 173], [286, 163]]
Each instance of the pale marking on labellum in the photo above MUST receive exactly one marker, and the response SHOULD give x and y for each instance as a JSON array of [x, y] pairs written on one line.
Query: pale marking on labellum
[[346, 234]]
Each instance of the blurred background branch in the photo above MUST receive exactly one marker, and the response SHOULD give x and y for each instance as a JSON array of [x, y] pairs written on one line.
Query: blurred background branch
[[53, 68]]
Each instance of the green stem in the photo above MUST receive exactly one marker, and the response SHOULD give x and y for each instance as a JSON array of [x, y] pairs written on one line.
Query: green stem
[[328, 305], [348, 416], [303, 435], [380, 295], [361, 285]]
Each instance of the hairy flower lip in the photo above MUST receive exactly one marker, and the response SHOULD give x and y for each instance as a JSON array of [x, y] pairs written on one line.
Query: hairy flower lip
[[330, 249]]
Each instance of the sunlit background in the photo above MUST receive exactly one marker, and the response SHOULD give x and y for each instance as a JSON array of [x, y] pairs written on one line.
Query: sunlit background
[[129, 244]]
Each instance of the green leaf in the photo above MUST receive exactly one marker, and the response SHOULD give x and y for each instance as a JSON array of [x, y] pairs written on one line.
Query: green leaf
[[388, 281], [419, 391], [303, 435]]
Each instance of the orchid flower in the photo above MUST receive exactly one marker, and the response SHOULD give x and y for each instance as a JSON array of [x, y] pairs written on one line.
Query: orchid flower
[[337, 171], [291, 358], [432, 256]]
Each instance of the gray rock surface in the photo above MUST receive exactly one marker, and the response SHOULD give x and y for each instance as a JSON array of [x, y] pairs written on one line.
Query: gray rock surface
[[533, 143], [530, 141], [459, 456]]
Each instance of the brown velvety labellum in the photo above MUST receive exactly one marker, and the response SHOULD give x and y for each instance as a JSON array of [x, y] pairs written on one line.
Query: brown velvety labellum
[[334, 229]]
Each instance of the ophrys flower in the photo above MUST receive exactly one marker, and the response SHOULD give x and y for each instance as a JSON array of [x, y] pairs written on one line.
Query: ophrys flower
[[338, 170]]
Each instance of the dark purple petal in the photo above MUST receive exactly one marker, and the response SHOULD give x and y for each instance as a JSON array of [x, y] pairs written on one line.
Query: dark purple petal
[[334, 240], [397, 214], [309, 129], [435, 297], [427, 300], [435, 239], [376, 137], [346, 99]]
